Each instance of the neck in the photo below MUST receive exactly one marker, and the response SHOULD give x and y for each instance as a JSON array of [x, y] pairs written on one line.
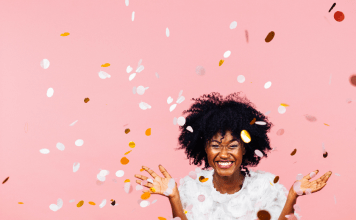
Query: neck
[[228, 184]]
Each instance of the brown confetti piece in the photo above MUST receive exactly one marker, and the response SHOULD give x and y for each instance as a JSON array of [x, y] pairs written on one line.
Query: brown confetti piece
[[148, 132], [65, 34], [203, 179], [92, 203], [285, 105], [161, 218], [124, 161], [263, 215], [353, 80], [20, 202], [5, 180], [221, 62], [128, 152], [127, 130], [325, 155], [326, 124], [127, 181], [105, 65], [113, 202], [142, 170], [269, 37], [80, 204], [132, 144], [276, 179], [253, 121], [245, 136], [86, 100], [293, 153], [145, 195]]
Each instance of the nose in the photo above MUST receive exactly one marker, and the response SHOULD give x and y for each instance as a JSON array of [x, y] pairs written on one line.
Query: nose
[[224, 153]]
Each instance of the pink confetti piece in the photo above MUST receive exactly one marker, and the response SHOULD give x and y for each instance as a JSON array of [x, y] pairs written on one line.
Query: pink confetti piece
[[144, 182], [335, 199], [310, 118], [192, 175], [296, 186], [312, 174], [308, 191], [280, 132], [201, 198], [259, 153], [296, 207], [189, 207], [299, 176]]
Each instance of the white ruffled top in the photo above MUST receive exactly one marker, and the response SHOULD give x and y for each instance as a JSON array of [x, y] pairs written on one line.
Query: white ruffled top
[[258, 192]]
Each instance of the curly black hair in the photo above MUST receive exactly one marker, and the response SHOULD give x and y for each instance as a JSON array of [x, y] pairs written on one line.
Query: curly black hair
[[210, 114]]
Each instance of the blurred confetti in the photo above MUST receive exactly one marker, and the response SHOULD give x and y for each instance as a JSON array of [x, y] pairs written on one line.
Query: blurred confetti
[[233, 25], [310, 118], [167, 32], [241, 78], [268, 84], [92, 203], [221, 62], [120, 173], [133, 16], [246, 35], [50, 92], [189, 128], [44, 63], [127, 130], [200, 70], [20, 202], [148, 132], [132, 144], [253, 121], [76, 167], [263, 215], [44, 151], [227, 54], [5, 180], [245, 136], [105, 65], [65, 34], [128, 152], [124, 161], [258, 153], [86, 100], [60, 146], [280, 132], [73, 123], [353, 80], [269, 37], [80, 204], [103, 203], [276, 179]]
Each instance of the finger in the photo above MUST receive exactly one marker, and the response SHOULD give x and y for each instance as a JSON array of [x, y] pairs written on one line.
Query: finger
[[141, 177], [164, 171], [319, 187], [151, 172], [311, 175], [325, 177], [149, 185]]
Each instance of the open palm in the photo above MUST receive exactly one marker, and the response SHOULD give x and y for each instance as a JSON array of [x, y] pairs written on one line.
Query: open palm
[[303, 186]]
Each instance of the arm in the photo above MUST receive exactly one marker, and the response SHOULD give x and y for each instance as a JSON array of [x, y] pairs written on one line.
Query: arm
[[177, 208], [288, 207]]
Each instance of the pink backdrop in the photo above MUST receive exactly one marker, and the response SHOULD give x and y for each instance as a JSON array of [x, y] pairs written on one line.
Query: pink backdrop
[[309, 63]]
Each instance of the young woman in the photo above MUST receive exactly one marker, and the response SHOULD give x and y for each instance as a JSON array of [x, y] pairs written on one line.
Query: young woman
[[225, 134]]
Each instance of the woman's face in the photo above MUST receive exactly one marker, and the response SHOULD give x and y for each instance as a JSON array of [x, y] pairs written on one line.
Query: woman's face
[[228, 149]]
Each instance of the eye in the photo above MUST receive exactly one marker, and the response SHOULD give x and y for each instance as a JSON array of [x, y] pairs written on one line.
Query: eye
[[234, 146], [215, 146]]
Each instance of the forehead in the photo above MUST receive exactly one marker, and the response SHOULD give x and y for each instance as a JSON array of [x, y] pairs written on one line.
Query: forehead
[[227, 137]]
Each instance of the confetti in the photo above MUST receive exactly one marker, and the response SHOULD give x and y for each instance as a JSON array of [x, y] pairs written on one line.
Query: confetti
[[133, 16], [269, 37], [50, 92], [113, 202], [5, 180], [241, 78], [330, 79], [310, 118], [282, 109], [128, 69], [157, 75], [260, 123], [192, 175], [293, 153], [246, 35], [180, 99], [181, 121], [86, 100], [127, 130], [100, 178], [134, 90], [233, 25], [308, 191], [271, 183], [203, 180], [258, 153], [65, 34], [296, 207], [245, 136], [59, 203], [280, 132], [325, 154], [140, 90], [227, 54], [53, 207], [76, 167], [103, 75], [127, 2], [142, 169], [79, 142], [154, 201], [353, 80], [105, 65], [144, 106], [200, 70], [201, 198], [44, 151], [80, 204], [167, 32], [267, 113], [44, 63], [60, 146], [120, 173], [128, 152], [268, 84], [145, 195], [91, 203], [285, 105], [299, 176], [339, 16], [189, 128], [144, 203], [149, 180], [169, 100], [104, 172], [73, 200], [172, 107], [263, 215], [161, 218], [335, 199], [20, 202], [132, 144], [148, 132], [127, 187], [132, 76], [326, 124], [175, 120], [73, 123], [140, 68], [221, 62], [139, 187], [312, 174], [103, 203], [124, 161], [276, 179]]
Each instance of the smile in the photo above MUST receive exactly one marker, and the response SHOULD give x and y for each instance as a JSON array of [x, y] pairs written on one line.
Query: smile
[[225, 165]]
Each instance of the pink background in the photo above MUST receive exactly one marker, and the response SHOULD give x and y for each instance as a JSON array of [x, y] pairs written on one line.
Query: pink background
[[309, 47]]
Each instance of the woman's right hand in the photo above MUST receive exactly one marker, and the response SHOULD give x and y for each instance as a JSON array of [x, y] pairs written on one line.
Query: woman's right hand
[[160, 184]]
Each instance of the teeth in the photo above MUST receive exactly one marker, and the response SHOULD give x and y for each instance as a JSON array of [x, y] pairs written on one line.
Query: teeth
[[224, 163]]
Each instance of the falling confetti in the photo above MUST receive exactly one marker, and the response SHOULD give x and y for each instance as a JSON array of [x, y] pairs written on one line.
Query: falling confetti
[[337, 174], [240, 79], [140, 68], [335, 199], [76, 167], [167, 32], [253, 121], [141, 90], [105, 65], [326, 124], [258, 153], [73, 123], [50, 92], [276, 179], [161, 218], [221, 62], [103, 75], [310, 118], [269, 37], [65, 34], [172, 107], [296, 207], [263, 215], [293, 153], [260, 123], [139, 187], [144, 203], [285, 105], [180, 99], [124, 161], [134, 90], [282, 109], [175, 120], [181, 121], [103, 203], [144, 106], [120, 173], [128, 69], [127, 187], [132, 76], [267, 113], [113, 202], [86, 100], [246, 35], [73, 200], [325, 154], [53, 207], [330, 79], [280, 132], [20, 202], [127, 130], [148, 132], [268, 84], [227, 54], [169, 100], [145, 195], [92, 203], [142, 169], [44, 63], [79, 142], [80, 204], [127, 2], [44, 151], [233, 25], [5, 180], [132, 144], [353, 80], [189, 128], [60, 146], [128, 152], [245, 136], [133, 16], [271, 183], [299, 176], [339, 16], [200, 70], [157, 75]]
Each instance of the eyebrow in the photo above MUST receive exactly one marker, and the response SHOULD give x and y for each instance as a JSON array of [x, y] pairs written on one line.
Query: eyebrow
[[235, 139]]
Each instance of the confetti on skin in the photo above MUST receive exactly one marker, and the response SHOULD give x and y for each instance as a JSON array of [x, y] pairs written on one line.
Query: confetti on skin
[[326, 124], [5, 180], [132, 144], [152, 189], [120, 173], [169, 100], [79, 142], [245, 136], [167, 32], [192, 175], [353, 80], [296, 207], [246, 35], [172, 107], [133, 16], [105, 65], [263, 215], [227, 54], [80, 204], [310, 118], [60, 146], [76, 167], [103, 75], [73, 123], [312, 174], [124, 161], [148, 132], [269, 37], [103, 203], [241, 78], [221, 62], [280, 132], [253, 121], [145, 195], [282, 109], [294, 152], [50, 92], [339, 16], [258, 153], [127, 130], [128, 152], [276, 179], [233, 25], [91, 203], [267, 84], [149, 180], [181, 121], [65, 34], [44, 151], [201, 198], [308, 191], [44, 63], [200, 70], [86, 100], [299, 176]]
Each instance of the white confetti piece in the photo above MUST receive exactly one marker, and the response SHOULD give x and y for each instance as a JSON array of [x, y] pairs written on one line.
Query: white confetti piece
[[134, 90], [53, 207], [132, 76], [167, 32], [154, 201], [101, 178], [157, 75], [172, 107], [73, 123], [296, 186], [144, 105], [189, 128], [127, 2], [103, 75], [73, 200], [258, 153], [260, 123], [44, 151], [268, 84], [200, 70], [44, 63], [267, 113], [181, 181], [282, 109], [233, 25], [324, 151], [241, 78], [128, 69], [50, 92], [139, 187], [308, 191], [296, 207], [133, 16], [180, 99], [171, 183], [60, 146], [335, 199], [127, 187], [227, 54], [76, 167], [104, 173], [312, 174], [181, 121], [337, 174], [330, 79], [120, 173], [180, 93], [197, 170], [103, 203], [79, 142], [201, 198], [299, 176], [140, 68], [150, 180], [144, 203], [59, 203], [169, 100], [140, 90]]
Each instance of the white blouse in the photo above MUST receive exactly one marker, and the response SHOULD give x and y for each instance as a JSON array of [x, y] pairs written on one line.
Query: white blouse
[[257, 193]]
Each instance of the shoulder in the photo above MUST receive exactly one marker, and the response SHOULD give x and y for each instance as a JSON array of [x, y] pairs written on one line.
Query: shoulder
[[194, 183]]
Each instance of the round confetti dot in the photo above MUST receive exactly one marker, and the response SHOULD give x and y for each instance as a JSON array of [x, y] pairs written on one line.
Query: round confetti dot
[[44, 151], [339, 16], [132, 144], [308, 191], [145, 195], [86, 100], [258, 153], [50, 92], [200, 70], [103, 172], [353, 80], [54, 207], [241, 78], [201, 198], [280, 132], [282, 109], [192, 175], [148, 132], [245, 136], [294, 152], [276, 179], [268, 84], [140, 90], [181, 121], [269, 37], [120, 173], [79, 142], [312, 174], [263, 215], [144, 203], [124, 161], [134, 90], [227, 54], [310, 118], [233, 25], [299, 176], [44, 63], [80, 204]]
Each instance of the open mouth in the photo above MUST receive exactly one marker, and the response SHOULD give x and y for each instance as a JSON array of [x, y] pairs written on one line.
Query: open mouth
[[225, 165]]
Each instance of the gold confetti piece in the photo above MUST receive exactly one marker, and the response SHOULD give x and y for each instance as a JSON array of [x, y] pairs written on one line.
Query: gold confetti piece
[[86, 100], [293, 153], [325, 155], [221, 62], [20, 202], [270, 183], [92, 203], [128, 152], [263, 215], [203, 179], [285, 105], [80, 204], [245, 136], [253, 121], [153, 189], [124, 161], [127, 130], [65, 34], [145, 195], [276, 179], [132, 144], [326, 124], [105, 65], [161, 218], [269, 37], [127, 181], [148, 132], [185, 211], [5, 180], [142, 170]]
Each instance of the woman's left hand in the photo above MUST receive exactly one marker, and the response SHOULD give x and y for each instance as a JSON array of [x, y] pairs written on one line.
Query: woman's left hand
[[304, 186]]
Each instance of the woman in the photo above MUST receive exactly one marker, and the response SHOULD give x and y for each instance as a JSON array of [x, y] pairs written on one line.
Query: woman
[[229, 190]]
